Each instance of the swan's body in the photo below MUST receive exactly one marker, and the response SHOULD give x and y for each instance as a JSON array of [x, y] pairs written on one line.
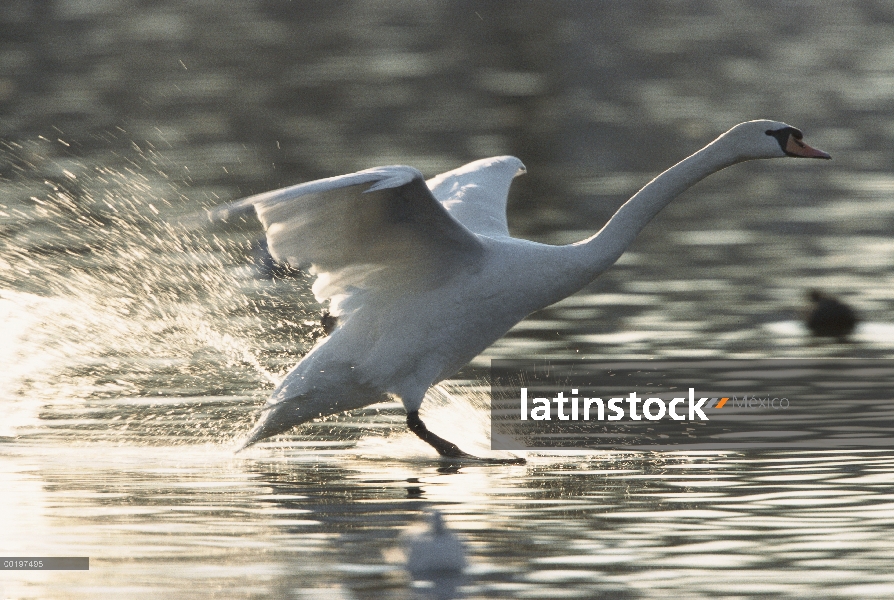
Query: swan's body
[[423, 276]]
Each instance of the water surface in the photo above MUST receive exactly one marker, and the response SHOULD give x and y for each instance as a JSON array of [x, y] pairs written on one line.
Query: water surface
[[135, 351]]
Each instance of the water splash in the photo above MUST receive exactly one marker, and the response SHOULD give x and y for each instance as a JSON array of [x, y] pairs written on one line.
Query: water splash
[[106, 300]]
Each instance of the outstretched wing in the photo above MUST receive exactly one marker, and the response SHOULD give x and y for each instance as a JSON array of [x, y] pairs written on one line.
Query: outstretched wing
[[379, 230], [475, 194]]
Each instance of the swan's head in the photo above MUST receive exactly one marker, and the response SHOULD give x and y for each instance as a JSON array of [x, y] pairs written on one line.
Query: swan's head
[[769, 139]]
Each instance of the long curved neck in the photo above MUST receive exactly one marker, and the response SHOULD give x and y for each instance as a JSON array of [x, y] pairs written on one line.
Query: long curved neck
[[600, 251]]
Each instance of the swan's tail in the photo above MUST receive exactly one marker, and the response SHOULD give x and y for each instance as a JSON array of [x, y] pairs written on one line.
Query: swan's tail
[[272, 422]]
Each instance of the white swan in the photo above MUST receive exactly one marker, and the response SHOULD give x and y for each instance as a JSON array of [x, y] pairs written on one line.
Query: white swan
[[424, 275]]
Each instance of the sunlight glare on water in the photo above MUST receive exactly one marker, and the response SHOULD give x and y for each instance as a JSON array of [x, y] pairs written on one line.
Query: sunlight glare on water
[[137, 343]]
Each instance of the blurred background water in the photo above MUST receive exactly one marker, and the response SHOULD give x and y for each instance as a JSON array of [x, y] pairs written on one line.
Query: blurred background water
[[134, 351]]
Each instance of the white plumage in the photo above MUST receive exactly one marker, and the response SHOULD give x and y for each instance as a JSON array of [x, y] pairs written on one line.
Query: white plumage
[[423, 276]]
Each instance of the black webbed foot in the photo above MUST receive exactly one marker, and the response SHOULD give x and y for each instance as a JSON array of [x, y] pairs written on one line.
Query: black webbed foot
[[443, 447], [446, 448]]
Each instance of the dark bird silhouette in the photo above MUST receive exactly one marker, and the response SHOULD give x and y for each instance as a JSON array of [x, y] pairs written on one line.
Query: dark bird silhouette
[[829, 317]]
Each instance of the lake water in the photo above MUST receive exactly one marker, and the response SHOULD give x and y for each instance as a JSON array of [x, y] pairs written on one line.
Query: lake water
[[135, 351]]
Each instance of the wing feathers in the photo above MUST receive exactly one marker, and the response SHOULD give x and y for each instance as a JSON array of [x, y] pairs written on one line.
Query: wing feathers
[[392, 234], [475, 194]]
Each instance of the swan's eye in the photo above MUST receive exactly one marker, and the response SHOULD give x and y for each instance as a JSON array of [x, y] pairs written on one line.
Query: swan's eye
[[779, 133], [786, 138]]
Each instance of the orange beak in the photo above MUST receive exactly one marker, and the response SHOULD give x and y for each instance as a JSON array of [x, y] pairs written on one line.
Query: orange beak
[[796, 147]]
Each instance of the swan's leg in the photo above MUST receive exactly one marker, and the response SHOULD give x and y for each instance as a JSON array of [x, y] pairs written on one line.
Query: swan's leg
[[447, 449], [443, 447]]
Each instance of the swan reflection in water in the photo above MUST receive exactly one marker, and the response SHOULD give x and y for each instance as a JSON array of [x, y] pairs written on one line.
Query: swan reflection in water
[[423, 275]]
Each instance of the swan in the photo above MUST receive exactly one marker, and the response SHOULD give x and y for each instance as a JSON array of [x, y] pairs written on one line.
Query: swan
[[423, 275]]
